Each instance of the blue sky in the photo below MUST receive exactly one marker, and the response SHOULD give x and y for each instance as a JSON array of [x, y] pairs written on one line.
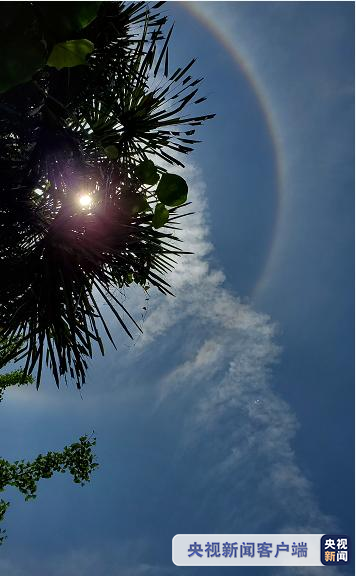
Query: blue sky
[[234, 412]]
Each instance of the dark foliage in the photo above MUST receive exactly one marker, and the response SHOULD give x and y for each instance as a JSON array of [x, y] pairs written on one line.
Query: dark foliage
[[90, 128]]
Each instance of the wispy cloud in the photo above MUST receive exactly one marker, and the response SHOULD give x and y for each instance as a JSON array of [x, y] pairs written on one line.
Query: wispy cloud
[[234, 418]]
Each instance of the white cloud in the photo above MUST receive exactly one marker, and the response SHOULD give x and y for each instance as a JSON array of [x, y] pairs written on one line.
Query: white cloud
[[228, 352]]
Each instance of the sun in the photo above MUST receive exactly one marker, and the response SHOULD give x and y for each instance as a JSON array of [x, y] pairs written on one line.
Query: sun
[[85, 200]]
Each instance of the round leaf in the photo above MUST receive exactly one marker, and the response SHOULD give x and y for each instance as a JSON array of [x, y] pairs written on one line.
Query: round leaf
[[86, 12], [21, 57], [172, 190], [140, 204], [61, 20], [22, 49], [160, 216], [70, 53], [112, 152], [147, 172]]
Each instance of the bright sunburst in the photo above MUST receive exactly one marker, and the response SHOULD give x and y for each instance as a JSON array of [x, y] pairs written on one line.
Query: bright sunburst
[[85, 200]]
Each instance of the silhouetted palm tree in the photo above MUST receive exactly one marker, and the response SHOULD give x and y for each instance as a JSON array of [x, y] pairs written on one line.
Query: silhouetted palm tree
[[82, 204]]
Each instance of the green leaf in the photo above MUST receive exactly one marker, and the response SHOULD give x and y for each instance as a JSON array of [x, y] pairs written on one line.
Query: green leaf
[[147, 172], [112, 152], [160, 216], [20, 59], [61, 20], [85, 12], [70, 53], [172, 190], [140, 204], [22, 49], [24, 38]]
